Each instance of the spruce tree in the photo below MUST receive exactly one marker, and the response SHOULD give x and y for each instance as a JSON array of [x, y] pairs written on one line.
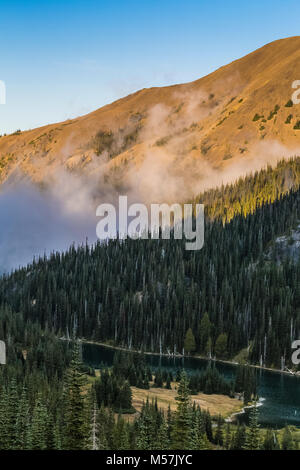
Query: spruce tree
[[76, 427], [227, 442], [182, 421], [219, 437], [103, 430], [239, 440], [189, 341], [38, 434], [22, 422], [253, 435], [4, 420]]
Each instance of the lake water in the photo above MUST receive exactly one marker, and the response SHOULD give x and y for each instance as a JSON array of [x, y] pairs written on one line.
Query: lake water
[[279, 393]]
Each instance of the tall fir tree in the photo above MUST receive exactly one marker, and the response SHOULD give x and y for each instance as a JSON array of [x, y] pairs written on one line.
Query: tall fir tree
[[75, 426], [253, 435], [39, 426], [182, 421], [189, 341]]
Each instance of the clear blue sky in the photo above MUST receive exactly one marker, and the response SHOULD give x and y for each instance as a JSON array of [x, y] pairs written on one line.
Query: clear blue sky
[[63, 58]]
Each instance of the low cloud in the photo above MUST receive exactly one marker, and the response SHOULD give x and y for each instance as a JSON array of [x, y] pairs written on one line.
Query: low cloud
[[37, 221], [34, 223]]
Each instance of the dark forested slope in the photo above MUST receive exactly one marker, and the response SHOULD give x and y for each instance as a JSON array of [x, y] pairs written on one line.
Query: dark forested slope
[[233, 294]]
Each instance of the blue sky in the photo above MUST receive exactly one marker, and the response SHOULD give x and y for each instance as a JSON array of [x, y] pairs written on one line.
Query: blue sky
[[63, 58]]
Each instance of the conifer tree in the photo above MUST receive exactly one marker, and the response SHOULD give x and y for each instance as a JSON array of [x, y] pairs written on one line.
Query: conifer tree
[[189, 341], [163, 442], [8, 416], [75, 428], [182, 421], [239, 439], [227, 442], [50, 431], [219, 437], [4, 420], [169, 424], [102, 429], [208, 426], [145, 428], [91, 420], [198, 440], [22, 422], [253, 435], [38, 433], [57, 435], [221, 345], [204, 333], [121, 437]]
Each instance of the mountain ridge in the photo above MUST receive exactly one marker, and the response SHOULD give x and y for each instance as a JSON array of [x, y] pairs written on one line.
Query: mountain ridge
[[229, 116]]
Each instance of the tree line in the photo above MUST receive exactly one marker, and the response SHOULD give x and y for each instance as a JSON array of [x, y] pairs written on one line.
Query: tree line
[[240, 292], [79, 422]]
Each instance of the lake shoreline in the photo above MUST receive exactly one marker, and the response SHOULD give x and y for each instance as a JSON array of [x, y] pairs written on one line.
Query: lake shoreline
[[278, 391], [233, 417], [180, 356]]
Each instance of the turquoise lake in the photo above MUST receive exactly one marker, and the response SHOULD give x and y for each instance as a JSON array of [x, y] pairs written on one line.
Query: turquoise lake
[[279, 393]]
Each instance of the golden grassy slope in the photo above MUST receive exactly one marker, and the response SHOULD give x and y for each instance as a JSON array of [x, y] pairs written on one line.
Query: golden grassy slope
[[208, 120]]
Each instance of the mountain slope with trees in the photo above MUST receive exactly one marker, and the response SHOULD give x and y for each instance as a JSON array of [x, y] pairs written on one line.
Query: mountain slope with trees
[[234, 294]]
